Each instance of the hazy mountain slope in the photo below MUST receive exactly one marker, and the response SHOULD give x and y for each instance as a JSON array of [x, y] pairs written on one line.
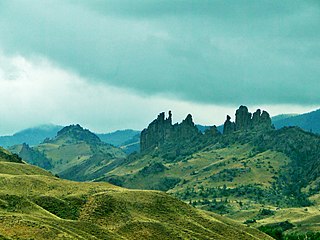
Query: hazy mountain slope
[[307, 121], [36, 205], [283, 116], [31, 136], [118, 138]]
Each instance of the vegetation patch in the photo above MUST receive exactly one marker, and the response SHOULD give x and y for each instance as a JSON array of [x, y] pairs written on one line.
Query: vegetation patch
[[67, 208], [276, 230]]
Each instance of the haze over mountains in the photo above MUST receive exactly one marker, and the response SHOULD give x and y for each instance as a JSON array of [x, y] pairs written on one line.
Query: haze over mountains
[[32, 136]]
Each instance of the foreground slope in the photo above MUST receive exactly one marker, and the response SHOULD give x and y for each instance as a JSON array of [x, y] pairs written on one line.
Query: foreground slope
[[36, 205]]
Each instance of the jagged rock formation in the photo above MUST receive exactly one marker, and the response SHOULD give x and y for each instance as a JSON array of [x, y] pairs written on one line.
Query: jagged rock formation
[[229, 126], [162, 131], [247, 121], [243, 118]]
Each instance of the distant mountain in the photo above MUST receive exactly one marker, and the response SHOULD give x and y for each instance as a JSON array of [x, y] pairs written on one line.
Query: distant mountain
[[75, 153], [202, 128], [31, 136], [119, 137], [283, 116], [127, 139], [307, 121]]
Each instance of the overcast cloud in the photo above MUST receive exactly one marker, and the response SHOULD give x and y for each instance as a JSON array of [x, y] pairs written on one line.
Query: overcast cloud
[[173, 54]]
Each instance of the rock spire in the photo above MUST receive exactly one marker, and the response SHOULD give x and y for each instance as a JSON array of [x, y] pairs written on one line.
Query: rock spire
[[161, 131], [247, 121]]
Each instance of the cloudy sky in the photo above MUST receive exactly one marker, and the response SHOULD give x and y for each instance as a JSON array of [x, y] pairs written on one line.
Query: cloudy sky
[[116, 64]]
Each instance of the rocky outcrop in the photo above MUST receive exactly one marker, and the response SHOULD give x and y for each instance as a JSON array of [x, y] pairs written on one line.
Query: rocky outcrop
[[158, 131], [247, 121], [243, 118], [228, 126], [161, 131]]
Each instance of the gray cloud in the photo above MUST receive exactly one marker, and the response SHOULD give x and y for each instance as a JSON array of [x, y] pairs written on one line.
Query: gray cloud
[[222, 52]]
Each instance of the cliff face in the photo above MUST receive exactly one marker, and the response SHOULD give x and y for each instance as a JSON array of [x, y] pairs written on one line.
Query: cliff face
[[162, 131], [247, 121], [229, 126]]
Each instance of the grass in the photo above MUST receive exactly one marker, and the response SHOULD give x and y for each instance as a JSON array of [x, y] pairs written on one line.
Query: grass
[[36, 205], [205, 169]]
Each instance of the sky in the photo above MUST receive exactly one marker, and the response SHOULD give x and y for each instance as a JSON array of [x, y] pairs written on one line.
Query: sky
[[115, 64]]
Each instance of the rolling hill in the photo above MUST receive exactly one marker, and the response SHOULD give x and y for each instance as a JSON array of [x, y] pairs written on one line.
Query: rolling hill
[[36, 205]]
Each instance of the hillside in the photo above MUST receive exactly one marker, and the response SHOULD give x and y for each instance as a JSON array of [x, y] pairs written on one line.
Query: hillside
[[119, 137], [36, 205], [30, 136], [75, 153], [247, 168], [307, 121]]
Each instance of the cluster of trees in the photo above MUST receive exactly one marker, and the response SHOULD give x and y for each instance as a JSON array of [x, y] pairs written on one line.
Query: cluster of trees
[[254, 192]]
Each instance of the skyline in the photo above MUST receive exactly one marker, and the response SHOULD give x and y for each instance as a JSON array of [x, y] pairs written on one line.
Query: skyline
[[111, 65]]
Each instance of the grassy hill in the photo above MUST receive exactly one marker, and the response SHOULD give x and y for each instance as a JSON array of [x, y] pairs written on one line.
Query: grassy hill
[[75, 153], [36, 205]]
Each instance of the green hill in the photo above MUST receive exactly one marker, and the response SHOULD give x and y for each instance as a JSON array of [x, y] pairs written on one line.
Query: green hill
[[75, 153], [36, 205]]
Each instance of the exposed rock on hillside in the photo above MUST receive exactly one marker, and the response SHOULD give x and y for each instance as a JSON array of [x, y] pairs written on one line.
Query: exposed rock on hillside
[[229, 126], [246, 121], [243, 118], [162, 131]]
